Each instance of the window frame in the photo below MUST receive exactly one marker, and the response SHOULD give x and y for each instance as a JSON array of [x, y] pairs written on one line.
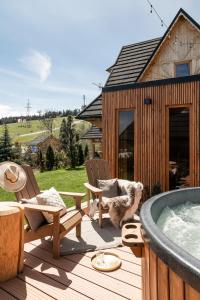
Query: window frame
[[186, 62], [118, 110], [191, 141]]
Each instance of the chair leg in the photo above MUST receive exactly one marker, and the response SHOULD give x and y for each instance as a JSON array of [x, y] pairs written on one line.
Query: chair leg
[[88, 203], [100, 215], [56, 247], [56, 236], [78, 230]]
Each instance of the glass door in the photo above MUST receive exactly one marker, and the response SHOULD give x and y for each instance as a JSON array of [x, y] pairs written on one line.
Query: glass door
[[179, 147], [126, 144]]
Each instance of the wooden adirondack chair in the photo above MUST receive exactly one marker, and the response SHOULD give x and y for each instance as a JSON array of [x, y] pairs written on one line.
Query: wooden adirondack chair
[[60, 226], [96, 169]]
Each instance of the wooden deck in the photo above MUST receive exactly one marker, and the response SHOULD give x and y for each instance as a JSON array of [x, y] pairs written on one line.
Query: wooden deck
[[72, 277]]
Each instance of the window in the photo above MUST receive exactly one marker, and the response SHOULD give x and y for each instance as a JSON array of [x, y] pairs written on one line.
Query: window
[[182, 69], [126, 145]]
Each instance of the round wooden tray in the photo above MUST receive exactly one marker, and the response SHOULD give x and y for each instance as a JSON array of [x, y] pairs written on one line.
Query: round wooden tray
[[106, 261]]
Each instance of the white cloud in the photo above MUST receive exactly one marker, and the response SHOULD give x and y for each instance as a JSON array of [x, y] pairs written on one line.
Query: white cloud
[[6, 111], [37, 63]]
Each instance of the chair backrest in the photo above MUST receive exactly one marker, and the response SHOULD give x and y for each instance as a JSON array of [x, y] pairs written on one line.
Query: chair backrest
[[97, 169], [31, 188]]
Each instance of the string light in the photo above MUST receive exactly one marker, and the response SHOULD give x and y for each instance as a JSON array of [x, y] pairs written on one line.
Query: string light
[[152, 9], [162, 23]]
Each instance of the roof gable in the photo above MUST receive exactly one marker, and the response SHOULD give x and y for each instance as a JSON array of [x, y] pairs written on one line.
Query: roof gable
[[166, 37]]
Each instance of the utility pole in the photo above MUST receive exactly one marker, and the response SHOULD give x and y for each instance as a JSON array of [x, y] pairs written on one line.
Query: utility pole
[[84, 105], [28, 109]]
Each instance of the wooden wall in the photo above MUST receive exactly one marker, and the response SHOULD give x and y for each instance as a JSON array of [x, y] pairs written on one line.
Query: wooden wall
[[151, 130]]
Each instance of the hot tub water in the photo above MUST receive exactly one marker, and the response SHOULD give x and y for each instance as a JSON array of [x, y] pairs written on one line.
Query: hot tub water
[[181, 224]]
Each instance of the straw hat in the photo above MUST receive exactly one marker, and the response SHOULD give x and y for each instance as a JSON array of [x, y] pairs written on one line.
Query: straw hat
[[12, 177]]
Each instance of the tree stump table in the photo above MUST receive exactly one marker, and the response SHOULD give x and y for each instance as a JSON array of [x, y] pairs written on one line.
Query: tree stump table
[[11, 240]]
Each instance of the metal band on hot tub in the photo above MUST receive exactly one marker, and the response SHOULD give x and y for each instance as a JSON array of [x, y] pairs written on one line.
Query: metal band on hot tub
[[180, 261]]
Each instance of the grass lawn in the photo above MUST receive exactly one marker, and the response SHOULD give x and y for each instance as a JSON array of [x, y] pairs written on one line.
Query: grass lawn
[[62, 180]]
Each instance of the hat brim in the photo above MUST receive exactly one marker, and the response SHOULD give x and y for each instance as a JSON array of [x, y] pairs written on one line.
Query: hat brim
[[8, 186]]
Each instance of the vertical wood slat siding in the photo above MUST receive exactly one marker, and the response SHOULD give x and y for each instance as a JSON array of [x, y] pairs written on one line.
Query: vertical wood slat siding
[[159, 282], [151, 130]]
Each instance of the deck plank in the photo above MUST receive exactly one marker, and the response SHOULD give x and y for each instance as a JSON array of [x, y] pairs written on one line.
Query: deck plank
[[20, 289], [124, 252], [95, 284], [123, 274], [48, 285], [6, 296], [72, 277]]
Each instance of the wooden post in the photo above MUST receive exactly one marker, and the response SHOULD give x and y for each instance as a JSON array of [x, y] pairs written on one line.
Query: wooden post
[[11, 241]]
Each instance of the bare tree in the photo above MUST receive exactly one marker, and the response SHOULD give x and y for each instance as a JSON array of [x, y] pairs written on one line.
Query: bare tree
[[47, 123]]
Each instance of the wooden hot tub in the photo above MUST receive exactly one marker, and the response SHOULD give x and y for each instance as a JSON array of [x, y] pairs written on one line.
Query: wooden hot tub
[[168, 271]]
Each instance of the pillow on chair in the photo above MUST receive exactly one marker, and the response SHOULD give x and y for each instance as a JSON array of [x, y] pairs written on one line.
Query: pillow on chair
[[34, 218], [51, 197], [109, 187]]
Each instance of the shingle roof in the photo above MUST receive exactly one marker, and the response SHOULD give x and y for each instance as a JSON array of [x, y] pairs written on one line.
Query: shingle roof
[[131, 62], [94, 109], [93, 133], [126, 69], [38, 140]]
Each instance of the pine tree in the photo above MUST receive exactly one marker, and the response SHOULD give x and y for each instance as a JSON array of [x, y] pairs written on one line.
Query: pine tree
[[86, 152], [68, 139], [6, 152], [80, 155], [40, 161], [63, 136], [17, 153], [49, 158]]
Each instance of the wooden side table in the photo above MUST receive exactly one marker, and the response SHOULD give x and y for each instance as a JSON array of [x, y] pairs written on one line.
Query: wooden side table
[[11, 239]]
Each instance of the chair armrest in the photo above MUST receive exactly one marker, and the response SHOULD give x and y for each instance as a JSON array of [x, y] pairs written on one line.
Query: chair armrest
[[76, 196], [46, 208], [93, 189], [71, 194]]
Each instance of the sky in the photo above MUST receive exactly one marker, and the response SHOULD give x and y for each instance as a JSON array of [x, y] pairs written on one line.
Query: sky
[[53, 51]]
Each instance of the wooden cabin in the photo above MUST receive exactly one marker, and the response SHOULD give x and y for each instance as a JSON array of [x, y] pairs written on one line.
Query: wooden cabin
[[149, 109], [42, 142]]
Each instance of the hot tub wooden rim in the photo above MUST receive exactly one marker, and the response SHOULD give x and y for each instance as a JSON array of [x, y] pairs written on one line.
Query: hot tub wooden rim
[[181, 262]]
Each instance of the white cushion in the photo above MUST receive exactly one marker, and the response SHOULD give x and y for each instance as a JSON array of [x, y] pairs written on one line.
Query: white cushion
[[51, 197]]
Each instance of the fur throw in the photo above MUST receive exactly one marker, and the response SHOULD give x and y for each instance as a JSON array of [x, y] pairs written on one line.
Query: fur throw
[[121, 208]]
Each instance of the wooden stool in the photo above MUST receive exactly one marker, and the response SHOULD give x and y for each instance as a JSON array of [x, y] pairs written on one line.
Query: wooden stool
[[11, 240]]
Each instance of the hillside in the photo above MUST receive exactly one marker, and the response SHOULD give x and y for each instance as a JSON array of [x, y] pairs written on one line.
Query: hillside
[[22, 134]]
